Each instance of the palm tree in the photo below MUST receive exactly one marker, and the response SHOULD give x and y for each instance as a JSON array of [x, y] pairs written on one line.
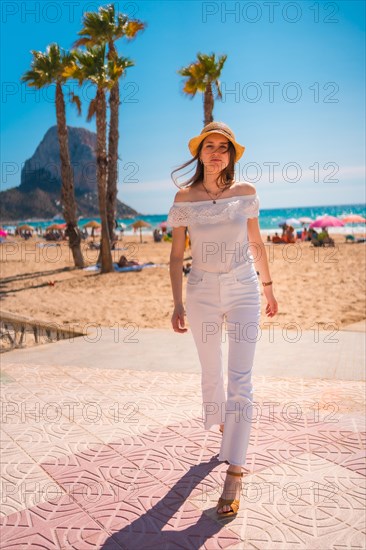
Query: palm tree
[[91, 65], [106, 27], [46, 69], [203, 76]]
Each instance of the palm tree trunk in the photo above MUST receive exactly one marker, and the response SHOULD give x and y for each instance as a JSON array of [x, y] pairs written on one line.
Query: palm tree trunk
[[67, 179], [113, 138], [101, 115], [208, 104], [112, 160]]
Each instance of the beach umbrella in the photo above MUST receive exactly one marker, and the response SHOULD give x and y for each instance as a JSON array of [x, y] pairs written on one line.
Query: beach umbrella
[[289, 221], [305, 220], [25, 227], [54, 226], [94, 225], [138, 224], [293, 221], [327, 221], [353, 218]]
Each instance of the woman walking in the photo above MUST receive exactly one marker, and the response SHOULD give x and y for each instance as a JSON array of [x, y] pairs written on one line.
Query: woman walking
[[222, 286]]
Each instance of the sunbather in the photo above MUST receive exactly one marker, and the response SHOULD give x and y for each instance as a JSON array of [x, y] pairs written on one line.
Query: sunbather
[[123, 262], [276, 238]]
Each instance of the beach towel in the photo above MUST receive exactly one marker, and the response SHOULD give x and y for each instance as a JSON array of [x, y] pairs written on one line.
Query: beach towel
[[122, 269]]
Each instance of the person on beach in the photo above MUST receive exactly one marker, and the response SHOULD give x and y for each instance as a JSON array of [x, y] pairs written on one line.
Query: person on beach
[[276, 238], [222, 220], [123, 262]]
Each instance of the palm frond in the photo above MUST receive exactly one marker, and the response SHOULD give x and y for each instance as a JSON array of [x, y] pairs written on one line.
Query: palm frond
[[218, 89], [72, 71], [190, 88], [85, 41], [95, 27], [206, 70], [117, 67], [132, 27], [91, 64], [92, 109], [75, 100], [34, 79], [105, 26], [48, 67]]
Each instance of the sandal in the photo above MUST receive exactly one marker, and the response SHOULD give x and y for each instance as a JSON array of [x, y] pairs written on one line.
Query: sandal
[[234, 503]]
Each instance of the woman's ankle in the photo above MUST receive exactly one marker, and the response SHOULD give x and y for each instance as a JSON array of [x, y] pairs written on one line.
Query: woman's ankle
[[235, 468]]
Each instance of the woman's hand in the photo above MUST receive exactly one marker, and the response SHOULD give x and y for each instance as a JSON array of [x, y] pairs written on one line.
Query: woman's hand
[[272, 306], [178, 319]]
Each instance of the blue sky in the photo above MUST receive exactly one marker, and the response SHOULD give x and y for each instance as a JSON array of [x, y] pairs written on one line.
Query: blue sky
[[293, 87]]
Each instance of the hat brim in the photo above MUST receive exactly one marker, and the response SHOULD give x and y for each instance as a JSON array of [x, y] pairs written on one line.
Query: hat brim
[[194, 143]]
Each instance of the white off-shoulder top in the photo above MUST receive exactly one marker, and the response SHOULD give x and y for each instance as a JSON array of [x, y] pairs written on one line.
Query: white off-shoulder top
[[218, 232]]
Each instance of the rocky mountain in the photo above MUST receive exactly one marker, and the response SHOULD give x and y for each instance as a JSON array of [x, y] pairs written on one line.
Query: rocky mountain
[[39, 192]]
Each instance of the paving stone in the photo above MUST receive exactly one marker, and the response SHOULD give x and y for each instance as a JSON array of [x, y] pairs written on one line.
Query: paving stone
[[133, 467]]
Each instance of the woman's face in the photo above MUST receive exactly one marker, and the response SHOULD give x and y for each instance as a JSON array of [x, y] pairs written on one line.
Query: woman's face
[[215, 153]]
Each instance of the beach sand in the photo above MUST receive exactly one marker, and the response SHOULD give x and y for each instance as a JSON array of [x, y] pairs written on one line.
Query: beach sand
[[319, 288]]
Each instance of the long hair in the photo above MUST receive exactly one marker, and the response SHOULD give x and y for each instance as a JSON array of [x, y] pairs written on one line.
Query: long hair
[[225, 178]]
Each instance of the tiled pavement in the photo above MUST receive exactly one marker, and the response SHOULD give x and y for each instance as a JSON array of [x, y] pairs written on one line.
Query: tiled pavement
[[107, 458]]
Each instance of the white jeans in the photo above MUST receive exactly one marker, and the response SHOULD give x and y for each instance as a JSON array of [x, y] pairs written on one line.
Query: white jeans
[[210, 297]]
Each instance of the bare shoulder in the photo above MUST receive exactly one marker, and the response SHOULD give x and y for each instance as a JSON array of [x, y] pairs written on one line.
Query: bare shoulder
[[244, 188], [181, 195]]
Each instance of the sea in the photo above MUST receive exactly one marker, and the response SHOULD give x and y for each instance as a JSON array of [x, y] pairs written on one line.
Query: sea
[[269, 219]]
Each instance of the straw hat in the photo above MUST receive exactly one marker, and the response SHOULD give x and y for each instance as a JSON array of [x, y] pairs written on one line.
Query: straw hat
[[216, 128]]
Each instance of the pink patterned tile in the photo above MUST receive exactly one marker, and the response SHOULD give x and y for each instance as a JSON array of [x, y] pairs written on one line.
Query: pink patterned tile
[[125, 436], [155, 483], [329, 443], [42, 433], [189, 424], [171, 523], [322, 528], [26, 489], [95, 498], [57, 524], [262, 457], [93, 455], [188, 481], [52, 452], [343, 507], [81, 480], [177, 447], [355, 462], [99, 541], [153, 436], [143, 516], [113, 499], [282, 428], [355, 422], [4, 437]]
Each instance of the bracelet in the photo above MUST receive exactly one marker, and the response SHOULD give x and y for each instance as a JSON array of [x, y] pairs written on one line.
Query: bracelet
[[267, 284]]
